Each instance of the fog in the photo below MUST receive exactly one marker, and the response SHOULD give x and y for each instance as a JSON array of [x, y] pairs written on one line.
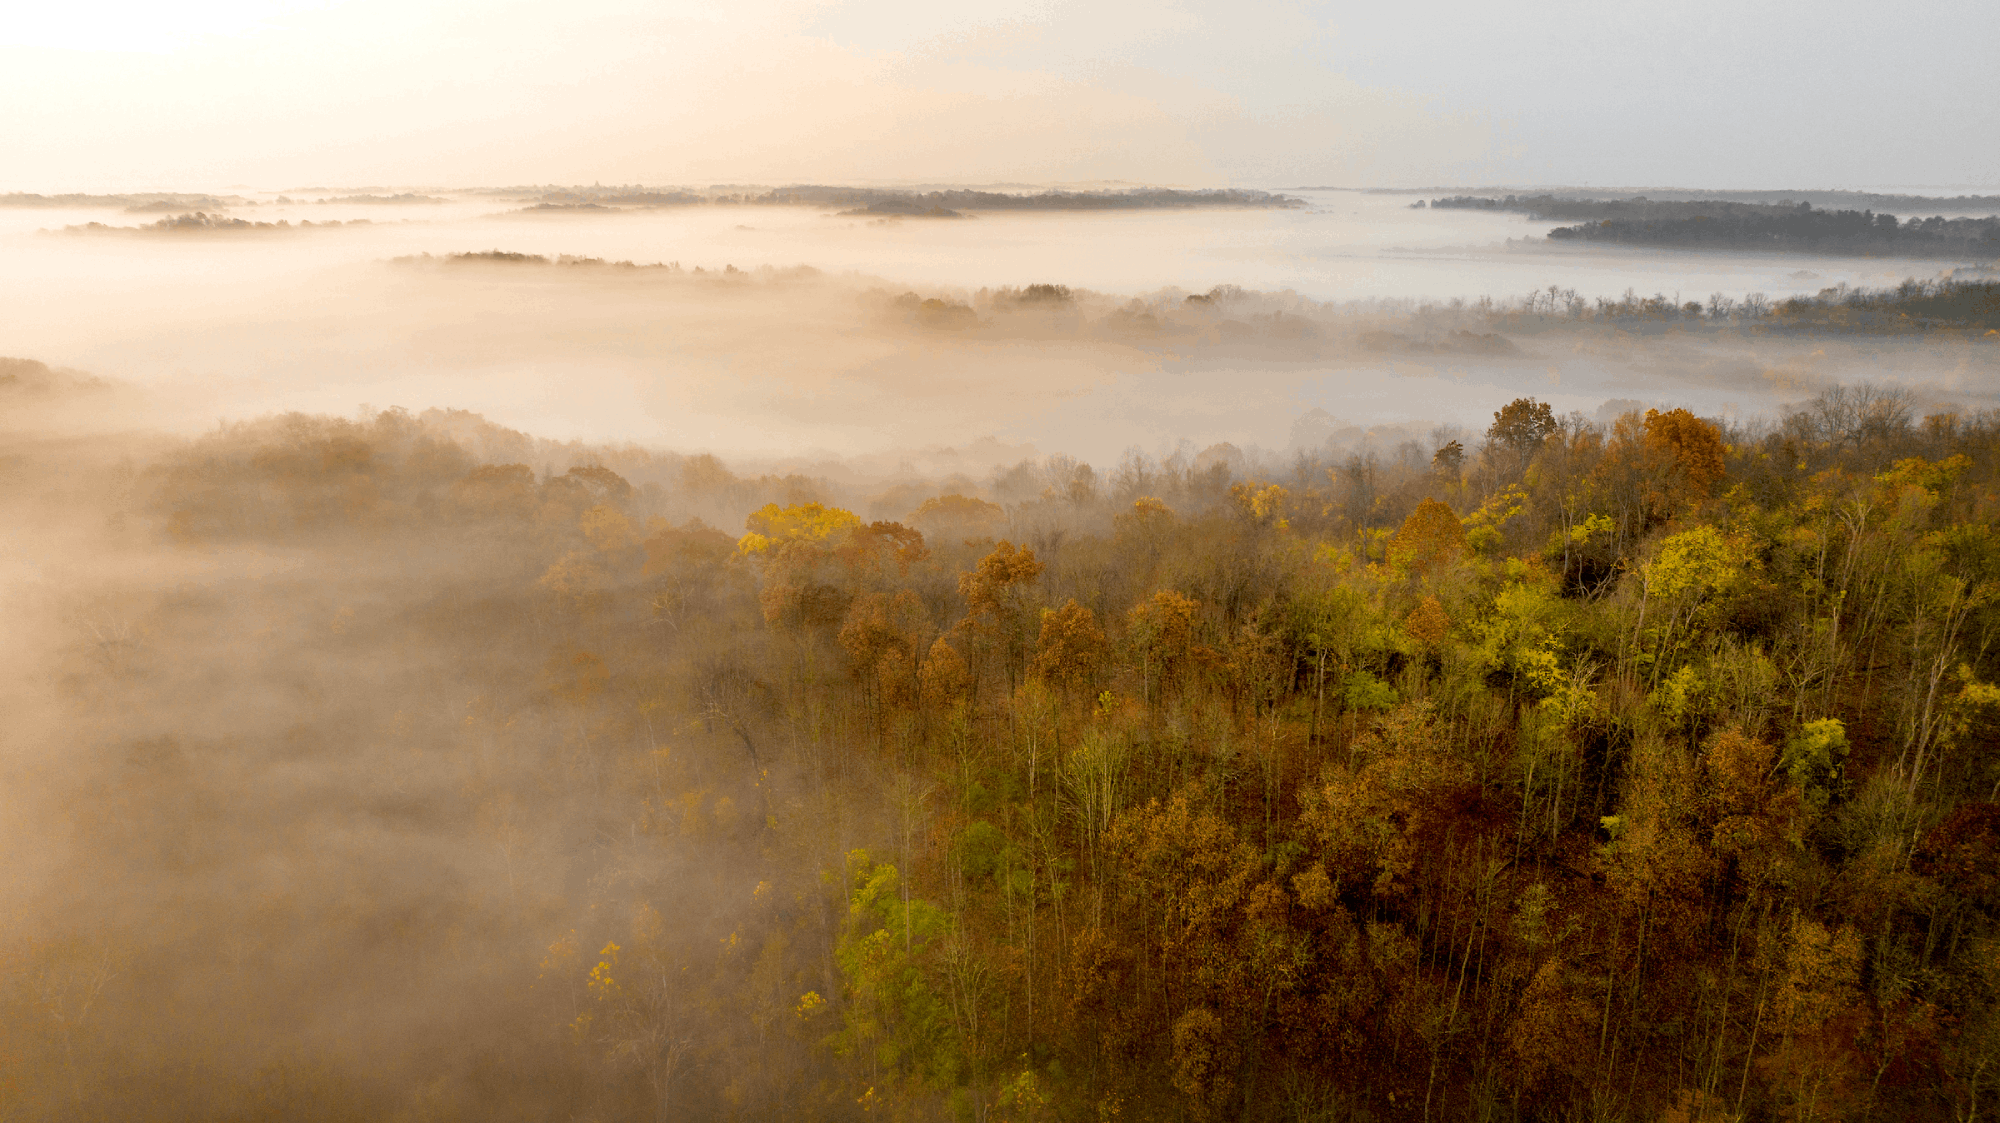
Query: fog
[[334, 751], [230, 324]]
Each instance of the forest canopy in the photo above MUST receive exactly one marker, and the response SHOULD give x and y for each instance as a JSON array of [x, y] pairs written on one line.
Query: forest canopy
[[1639, 767]]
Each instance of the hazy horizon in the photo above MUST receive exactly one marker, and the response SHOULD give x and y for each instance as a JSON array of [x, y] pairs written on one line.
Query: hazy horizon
[[240, 323], [1074, 560], [307, 91]]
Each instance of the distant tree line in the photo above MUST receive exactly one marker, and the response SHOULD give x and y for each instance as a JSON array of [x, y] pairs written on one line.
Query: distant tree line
[[640, 198], [203, 202], [399, 198], [1911, 306], [1940, 304], [1831, 200], [910, 208], [1046, 201], [1803, 230], [885, 201], [1716, 224], [202, 222]]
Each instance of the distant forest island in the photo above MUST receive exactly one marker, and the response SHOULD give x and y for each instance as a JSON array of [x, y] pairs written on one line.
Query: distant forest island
[[143, 202], [167, 202], [1963, 303], [885, 202], [203, 223], [1794, 227]]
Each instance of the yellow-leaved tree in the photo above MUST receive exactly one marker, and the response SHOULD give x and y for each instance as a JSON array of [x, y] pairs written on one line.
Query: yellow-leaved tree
[[771, 525], [1680, 582]]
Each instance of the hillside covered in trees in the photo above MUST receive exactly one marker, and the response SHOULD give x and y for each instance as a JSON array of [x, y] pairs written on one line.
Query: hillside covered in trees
[[1633, 771], [1719, 224]]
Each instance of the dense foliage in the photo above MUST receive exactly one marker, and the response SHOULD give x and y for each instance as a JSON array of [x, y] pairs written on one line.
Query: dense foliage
[[1641, 771], [1720, 224], [1807, 231]]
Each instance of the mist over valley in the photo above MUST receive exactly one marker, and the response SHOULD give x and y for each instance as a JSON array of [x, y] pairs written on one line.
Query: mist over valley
[[746, 363], [859, 561]]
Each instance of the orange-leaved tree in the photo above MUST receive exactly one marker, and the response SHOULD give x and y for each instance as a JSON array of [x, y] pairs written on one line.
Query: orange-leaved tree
[[1428, 624], [869, 551], [1687, 460], [953, 517], [1071, 646], [882, 634], [995, 598], [1162, 636], [1430, 539]]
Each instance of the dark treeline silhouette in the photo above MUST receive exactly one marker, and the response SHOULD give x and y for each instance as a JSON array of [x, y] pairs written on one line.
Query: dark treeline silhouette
[[139, 199], [907, 207], [1831, 200], [200, 222], [1803, 231], [1716, 224], [1912, 306], [585, 265], [625, 198], [401, 197], [1634, 770], [1942, 305]]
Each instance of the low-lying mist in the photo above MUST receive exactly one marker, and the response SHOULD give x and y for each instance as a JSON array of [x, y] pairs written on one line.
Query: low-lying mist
[[401, 725], [406, 765], [230, 323], [798, 365]]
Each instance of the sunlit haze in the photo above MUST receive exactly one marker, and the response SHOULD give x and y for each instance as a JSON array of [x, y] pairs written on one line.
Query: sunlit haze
[[286, 94], [623, 561]]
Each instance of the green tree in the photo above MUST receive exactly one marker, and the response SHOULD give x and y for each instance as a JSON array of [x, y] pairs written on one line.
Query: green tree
[[1520, 427]]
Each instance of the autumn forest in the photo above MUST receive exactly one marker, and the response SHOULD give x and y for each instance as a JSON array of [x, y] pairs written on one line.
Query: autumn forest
[[1636, 770]]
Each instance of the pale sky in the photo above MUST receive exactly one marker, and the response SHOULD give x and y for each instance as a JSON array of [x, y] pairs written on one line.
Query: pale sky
[[1698, 93]]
